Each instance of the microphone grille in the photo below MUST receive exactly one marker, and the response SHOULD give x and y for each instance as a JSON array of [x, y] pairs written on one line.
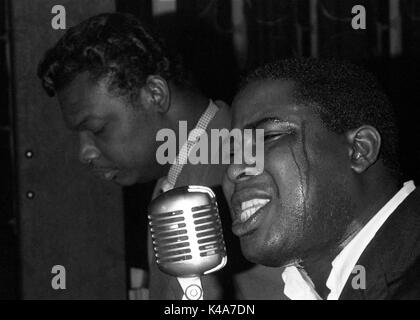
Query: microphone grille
[[209, 229], [187, 238]]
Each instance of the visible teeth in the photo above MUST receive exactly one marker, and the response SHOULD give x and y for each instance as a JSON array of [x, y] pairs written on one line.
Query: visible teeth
[[250, 207], [109, 175], [253, 202]]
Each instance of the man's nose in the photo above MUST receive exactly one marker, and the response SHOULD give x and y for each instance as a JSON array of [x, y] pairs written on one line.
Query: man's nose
[[241, 172], [88, 151], [245, 164]]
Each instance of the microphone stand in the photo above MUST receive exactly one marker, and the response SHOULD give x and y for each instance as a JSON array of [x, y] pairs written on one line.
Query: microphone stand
[[191, 287]]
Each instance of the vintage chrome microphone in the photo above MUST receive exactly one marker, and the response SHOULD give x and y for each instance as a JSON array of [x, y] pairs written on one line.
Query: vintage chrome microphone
[[187, 236]]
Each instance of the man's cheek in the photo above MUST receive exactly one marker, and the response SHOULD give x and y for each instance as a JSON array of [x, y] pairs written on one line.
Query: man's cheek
[[280, 166], [227, 187], [119, 157]]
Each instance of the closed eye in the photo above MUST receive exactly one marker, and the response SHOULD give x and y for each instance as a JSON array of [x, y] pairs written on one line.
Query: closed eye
[[270, 137], [99, 131]]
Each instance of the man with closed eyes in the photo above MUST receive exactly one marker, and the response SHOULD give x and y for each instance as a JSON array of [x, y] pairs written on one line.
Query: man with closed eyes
[[331, 199]]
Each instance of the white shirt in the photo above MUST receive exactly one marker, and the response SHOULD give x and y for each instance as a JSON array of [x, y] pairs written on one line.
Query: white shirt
[[344, 263]]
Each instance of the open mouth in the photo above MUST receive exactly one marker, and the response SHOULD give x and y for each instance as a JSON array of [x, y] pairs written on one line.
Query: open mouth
[[249, 213], [110, 175], [250, 207]]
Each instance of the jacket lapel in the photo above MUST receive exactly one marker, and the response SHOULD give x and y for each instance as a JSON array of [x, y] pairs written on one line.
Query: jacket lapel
[[393, 251]]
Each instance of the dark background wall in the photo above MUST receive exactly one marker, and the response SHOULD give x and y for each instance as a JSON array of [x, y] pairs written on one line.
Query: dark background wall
[[9, 264], [64, 216], [218, 49]]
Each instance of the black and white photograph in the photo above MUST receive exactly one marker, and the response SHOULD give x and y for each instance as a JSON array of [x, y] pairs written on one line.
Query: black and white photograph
[[234, 151]]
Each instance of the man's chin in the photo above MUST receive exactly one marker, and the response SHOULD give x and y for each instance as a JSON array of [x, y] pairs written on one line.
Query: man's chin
[[252, 252], [125, 180], [261, 254], [129, 179]]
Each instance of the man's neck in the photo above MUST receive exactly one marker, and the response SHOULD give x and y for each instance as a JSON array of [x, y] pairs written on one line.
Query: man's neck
[[318, 269], [371, 200], [187, 106]]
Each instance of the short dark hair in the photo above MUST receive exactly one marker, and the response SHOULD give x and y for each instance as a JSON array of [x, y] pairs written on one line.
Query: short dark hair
[[115, 46], [344, 95]]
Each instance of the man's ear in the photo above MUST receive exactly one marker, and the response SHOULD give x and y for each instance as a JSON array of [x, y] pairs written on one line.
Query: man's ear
[[364, 145], [156, 94]]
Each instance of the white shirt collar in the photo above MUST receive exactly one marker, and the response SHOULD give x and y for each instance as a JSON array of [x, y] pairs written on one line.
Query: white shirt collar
[[344, 263]]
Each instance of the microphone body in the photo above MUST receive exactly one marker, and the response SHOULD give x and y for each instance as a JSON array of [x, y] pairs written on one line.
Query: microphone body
[[187, 233]]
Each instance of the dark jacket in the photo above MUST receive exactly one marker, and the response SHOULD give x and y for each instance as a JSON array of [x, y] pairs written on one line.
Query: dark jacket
[[392, 258]]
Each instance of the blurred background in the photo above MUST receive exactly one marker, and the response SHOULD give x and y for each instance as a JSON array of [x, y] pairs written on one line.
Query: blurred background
[[53, 213]]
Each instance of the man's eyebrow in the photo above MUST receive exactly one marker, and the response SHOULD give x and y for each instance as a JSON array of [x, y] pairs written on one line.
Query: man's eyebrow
[[263, 121], [81, 123]]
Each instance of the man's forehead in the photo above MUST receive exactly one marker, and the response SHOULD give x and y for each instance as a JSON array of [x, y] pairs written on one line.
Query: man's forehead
[[268, 87], [81, 95], [273, 98]]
